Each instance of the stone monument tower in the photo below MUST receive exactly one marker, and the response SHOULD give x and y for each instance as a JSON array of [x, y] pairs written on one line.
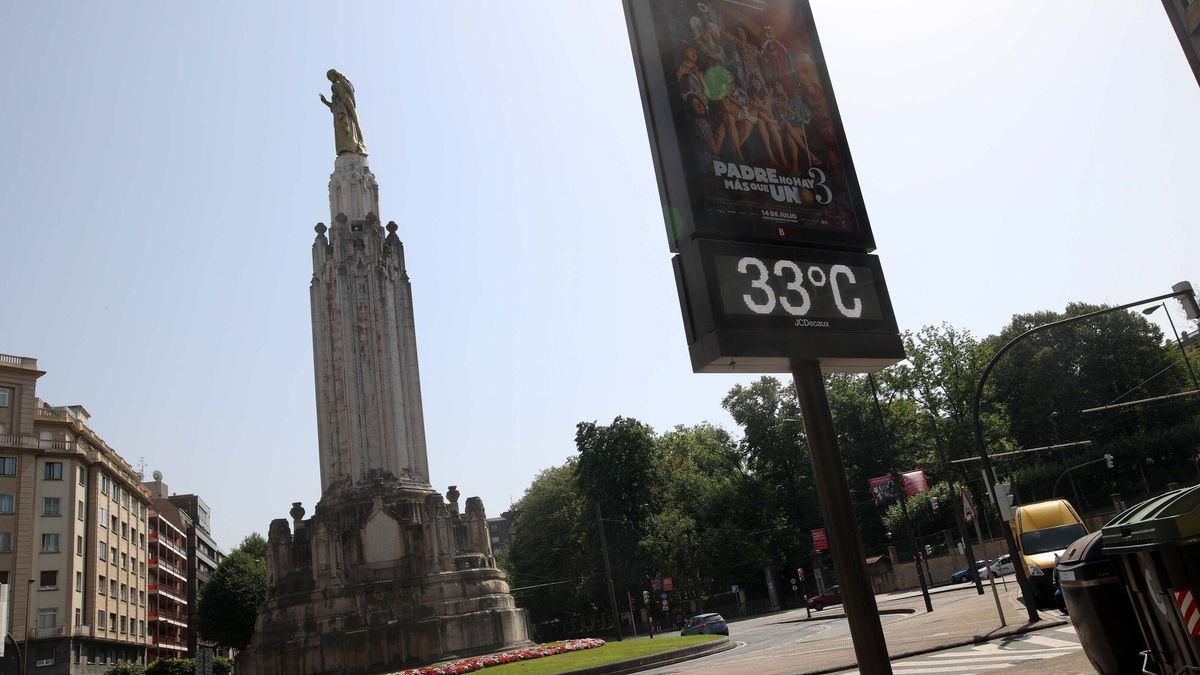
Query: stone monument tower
[[386, 573]]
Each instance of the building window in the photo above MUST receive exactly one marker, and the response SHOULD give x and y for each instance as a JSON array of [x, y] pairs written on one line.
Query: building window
[[45, 653], [78, 586], [103, 517], [123, 620], [142, 598], [51, 506], [47, 617], [103, 483], [102, 551], [124, 531], [112, 620], [79, 511], [79, 545], [113, 551], [78, 620], [142, 627], [112, 587], [50, 542], [53, 471], [49, 580], [6, 503], [5, 542], [142, 569], [113, 523], [8, 466], [124, 592], [101, 586], [82, 474], [4, 395], [124, 561], [116, 492]]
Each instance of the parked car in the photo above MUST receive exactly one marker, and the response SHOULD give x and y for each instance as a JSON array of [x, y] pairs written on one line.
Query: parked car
[[831, 596], [965, 574], [1002, 566], [705, 624]]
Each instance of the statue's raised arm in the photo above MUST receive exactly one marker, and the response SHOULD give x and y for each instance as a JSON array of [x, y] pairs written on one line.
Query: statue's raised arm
[[347, 134]]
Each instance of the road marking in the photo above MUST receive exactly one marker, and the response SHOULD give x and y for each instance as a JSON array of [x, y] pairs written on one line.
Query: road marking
[[1048, 641]]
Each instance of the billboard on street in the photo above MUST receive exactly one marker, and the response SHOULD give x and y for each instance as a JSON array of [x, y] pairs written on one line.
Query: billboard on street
[[743, 124]]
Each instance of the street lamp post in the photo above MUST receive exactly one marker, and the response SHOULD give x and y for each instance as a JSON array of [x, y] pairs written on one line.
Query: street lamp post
[[1150, 310], [1185, 292], [903, 495]]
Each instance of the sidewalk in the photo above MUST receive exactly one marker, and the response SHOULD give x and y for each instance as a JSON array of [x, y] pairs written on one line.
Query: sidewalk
[[961, 617]]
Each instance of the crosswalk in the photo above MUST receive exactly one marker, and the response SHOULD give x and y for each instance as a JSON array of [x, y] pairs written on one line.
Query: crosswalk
[[1007, 653]]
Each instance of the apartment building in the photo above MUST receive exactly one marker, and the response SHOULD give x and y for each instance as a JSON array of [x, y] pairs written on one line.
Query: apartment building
[[203, 557], [73, 536], [168, 611]]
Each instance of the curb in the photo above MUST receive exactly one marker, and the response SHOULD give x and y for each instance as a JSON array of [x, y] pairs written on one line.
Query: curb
[[978, 639], [660, 659], [824, 617]]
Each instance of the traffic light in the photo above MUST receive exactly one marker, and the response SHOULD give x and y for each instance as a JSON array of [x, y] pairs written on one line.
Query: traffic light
[[1108, 461], [1004, 500], [928, 550], [646, 598]]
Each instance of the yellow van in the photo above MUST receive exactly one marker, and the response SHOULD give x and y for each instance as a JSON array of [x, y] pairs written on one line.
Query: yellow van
[[1043, 530]]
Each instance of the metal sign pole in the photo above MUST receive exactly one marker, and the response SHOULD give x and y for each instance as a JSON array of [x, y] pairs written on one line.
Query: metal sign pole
[[833, 491]]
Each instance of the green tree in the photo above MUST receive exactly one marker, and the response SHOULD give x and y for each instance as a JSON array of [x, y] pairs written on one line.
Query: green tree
[[228, 604], [697, 536], [548, 555], [1111, 358], [774, 450], [618, 469]]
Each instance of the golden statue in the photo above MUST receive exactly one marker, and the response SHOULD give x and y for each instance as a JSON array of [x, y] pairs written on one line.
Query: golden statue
[[347, 134]]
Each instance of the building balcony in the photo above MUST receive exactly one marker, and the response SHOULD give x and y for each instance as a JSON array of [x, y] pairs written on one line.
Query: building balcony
[[174, 592], [50, 632], [82, 631], [179, 548], [164, 565], [168, 615], [169, 642]]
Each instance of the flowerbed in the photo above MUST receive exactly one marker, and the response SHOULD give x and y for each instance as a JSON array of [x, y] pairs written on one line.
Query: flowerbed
[[480, 662]]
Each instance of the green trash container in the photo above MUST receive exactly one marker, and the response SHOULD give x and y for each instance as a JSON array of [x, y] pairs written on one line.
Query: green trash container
[[1099, 607], [1155, 550]]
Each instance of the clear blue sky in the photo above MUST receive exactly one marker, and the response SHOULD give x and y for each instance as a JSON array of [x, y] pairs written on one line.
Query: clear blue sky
[[167, 162]]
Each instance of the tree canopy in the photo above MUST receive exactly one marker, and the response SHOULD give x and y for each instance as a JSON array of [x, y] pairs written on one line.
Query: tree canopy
[[228, 604]]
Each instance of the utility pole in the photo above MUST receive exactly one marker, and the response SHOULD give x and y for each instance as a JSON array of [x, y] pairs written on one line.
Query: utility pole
[[612, 594], [972, 572]]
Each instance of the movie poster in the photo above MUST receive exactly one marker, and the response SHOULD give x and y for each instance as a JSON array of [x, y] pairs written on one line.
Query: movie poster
[[759, 140]]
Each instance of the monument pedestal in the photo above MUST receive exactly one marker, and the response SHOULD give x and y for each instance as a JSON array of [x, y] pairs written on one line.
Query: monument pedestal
[[381, 577]]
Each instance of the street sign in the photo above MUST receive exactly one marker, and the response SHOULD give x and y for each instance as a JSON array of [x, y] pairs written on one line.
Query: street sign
[[794, 588], [968, 505], [820, 541], [733, 589], [665, 604], [667, 584], [664, 596], [656, 584]]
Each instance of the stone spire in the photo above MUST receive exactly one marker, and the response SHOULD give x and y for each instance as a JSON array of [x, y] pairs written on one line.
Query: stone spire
[[370, 422]]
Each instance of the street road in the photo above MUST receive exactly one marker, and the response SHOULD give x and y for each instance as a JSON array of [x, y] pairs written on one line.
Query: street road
[[1024, 652], [760, 639]]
